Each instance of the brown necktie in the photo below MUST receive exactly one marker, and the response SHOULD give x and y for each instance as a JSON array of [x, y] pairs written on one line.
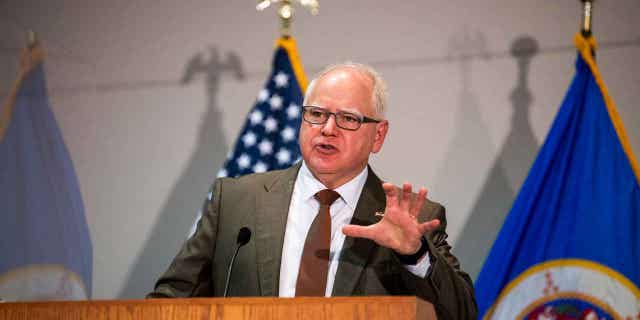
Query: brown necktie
[[314, 265]]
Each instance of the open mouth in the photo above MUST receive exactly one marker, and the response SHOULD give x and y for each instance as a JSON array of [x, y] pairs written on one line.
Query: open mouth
[[326, 148]]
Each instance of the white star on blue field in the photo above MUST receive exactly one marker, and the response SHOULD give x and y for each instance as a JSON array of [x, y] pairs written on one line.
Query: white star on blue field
[[269, 138]]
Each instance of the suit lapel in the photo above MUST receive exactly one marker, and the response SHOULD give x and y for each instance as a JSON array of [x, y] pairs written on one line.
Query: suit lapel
[[356, 251], [272, 208]]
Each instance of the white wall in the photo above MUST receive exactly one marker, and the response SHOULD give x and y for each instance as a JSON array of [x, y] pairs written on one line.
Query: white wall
[[146, 146]]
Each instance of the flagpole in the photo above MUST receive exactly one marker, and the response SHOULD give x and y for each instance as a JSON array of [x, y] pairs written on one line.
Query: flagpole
[[286, 12], [29, 57], [587, 14]]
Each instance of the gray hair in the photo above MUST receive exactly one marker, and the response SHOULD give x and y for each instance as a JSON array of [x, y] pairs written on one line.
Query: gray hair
[[379, 94]]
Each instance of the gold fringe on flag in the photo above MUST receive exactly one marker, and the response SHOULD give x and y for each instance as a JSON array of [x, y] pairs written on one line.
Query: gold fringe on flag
[[586, 46]]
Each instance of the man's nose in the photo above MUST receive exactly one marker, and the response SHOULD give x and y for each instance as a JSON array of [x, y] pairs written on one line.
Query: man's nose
[[330, 127]]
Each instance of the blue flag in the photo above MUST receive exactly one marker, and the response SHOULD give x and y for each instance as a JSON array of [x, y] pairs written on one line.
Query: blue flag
[[45, 251], [570, 247], [269, 138]]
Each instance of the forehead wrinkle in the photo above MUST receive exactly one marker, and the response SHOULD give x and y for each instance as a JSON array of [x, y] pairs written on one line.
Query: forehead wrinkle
[[355, 80]]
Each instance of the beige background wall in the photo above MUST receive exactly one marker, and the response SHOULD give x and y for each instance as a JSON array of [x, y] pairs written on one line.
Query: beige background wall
[[146, 145]]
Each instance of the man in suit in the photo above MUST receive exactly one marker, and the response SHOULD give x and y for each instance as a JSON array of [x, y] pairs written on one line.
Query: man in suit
[[328, 225]]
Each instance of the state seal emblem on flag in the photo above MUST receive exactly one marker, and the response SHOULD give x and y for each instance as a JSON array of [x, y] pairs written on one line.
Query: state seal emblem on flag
[[568, 289]]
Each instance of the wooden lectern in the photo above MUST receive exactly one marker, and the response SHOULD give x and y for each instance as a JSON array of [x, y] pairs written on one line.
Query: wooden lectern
[[369, 308]]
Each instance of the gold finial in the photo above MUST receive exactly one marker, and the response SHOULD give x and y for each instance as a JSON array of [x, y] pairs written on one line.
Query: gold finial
[[587, 14], [32, 39], [286, 11]]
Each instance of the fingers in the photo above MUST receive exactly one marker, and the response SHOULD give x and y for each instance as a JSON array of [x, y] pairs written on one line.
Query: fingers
[[404, 199], [407, 197], [418, 202], [392, 193], [429, 226]]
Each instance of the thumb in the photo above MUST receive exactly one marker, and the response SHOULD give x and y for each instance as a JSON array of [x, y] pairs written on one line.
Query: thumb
[[429, 226], [355, 231]]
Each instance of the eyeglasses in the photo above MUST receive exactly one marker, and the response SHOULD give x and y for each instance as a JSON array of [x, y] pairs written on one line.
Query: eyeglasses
[[344, 120]]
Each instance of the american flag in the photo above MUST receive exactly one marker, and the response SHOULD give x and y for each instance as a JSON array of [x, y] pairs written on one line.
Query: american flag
[[269, 138]]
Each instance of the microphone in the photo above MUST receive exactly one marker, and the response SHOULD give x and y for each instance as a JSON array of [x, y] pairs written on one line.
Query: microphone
[[244, 235]]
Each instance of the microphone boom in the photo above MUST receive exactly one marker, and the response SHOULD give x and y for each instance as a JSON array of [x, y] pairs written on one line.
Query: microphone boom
[[244, 235]]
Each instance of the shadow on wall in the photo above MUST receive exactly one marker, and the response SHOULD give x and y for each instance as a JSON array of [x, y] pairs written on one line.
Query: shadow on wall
[[186, 197], [507, 173], [471, 139]]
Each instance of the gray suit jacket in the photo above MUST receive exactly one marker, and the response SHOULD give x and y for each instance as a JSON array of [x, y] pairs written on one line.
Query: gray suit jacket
[[261, 202]]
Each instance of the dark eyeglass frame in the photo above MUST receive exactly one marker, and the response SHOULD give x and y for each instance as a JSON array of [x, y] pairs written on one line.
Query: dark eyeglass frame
[[340, 114]]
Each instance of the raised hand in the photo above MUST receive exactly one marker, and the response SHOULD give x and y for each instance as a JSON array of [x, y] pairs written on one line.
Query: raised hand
[[399, 228]]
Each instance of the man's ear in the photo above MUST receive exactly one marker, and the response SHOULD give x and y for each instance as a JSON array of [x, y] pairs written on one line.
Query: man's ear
[[381, 134]]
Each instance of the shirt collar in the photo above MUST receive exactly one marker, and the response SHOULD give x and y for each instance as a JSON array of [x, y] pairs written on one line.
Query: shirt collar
[[349, 192]]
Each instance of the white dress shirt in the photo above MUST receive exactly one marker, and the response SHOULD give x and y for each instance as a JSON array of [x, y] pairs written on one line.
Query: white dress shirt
[[302, 211]]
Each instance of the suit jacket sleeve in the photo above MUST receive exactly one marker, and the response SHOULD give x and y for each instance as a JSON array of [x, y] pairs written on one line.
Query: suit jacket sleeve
[[190, 271], [446, 286]]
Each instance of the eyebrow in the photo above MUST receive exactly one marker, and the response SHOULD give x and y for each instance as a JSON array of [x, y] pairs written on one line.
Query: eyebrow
[[343, 110]]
